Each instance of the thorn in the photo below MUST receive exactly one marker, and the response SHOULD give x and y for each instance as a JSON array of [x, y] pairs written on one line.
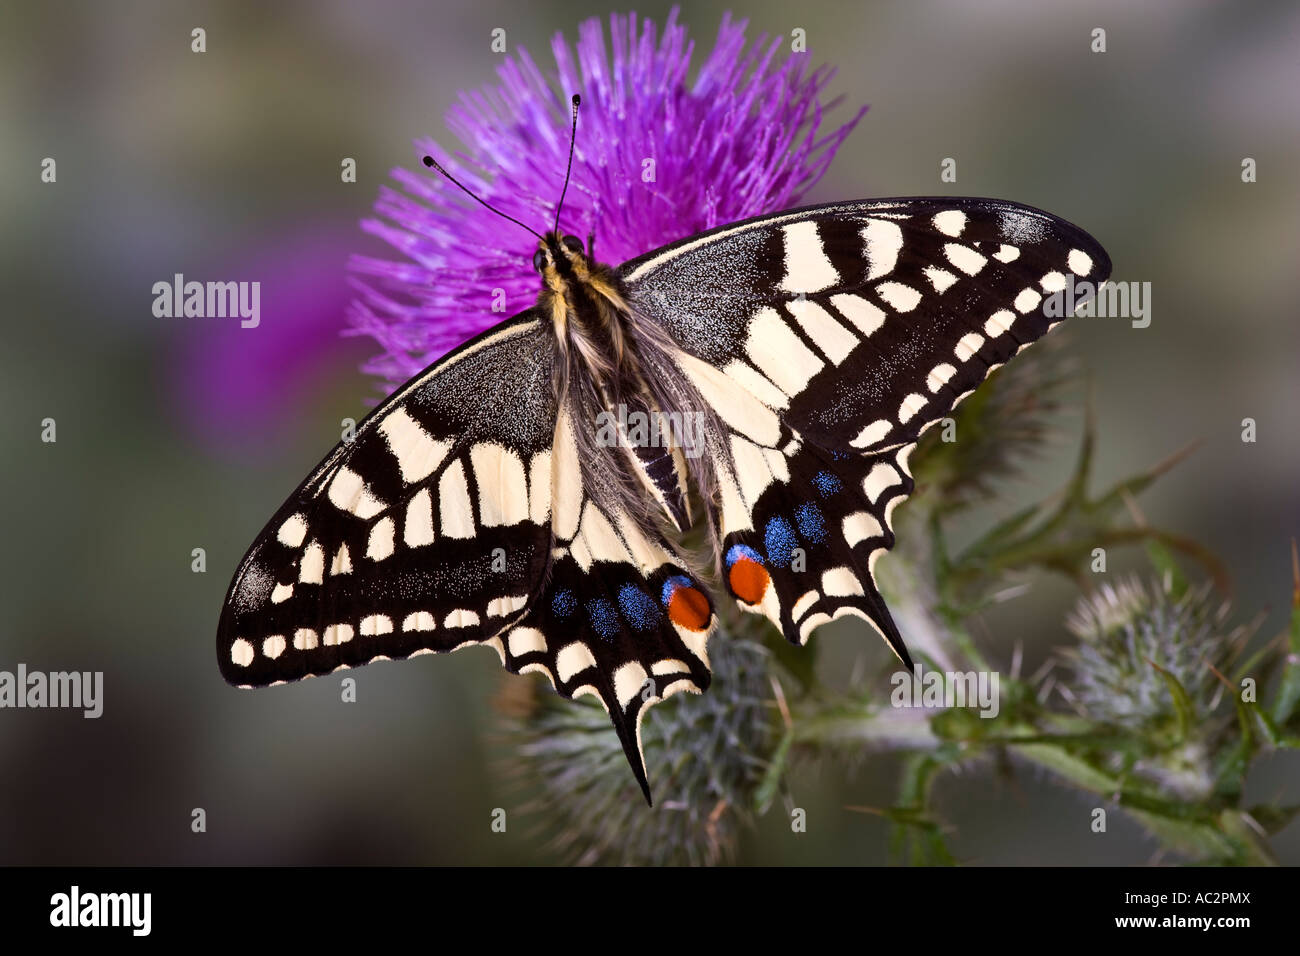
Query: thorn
[[1008, 594], [1254, 824], [716, 813], [1043, 671], [1045, 690], [1295, 574], [780, 702], [1006, 771], [1160, 467], [1214, 670], [711, 825], [1139, 519]]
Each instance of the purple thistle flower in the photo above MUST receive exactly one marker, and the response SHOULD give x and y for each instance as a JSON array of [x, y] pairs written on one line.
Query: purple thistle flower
[[658, 157], [238, 389]]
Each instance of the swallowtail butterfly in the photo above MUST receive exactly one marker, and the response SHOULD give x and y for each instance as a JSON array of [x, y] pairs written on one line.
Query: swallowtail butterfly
[[527, 491]]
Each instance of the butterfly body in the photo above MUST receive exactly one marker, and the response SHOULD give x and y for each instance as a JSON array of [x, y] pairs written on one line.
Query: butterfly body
[[605, 355], [526, 492]]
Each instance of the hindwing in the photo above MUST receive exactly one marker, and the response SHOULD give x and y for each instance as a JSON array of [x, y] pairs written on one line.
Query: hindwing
[[621, 617]]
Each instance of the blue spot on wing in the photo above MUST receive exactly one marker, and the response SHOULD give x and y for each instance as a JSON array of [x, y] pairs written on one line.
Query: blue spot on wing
[[639, 608], [604, 619], [827, 484], [780, 542], [811, 522], [563, 603], [738, 551], [672, 584]]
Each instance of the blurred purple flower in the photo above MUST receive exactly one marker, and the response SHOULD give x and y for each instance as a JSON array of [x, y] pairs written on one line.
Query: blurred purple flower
[[239, 389], [658, 158]]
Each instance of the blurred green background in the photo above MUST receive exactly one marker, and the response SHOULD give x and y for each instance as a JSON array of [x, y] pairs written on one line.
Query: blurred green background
[[175, 434]]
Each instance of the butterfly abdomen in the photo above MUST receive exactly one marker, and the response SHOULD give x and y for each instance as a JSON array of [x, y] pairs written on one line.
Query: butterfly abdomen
[[660, 464], [606, 378]]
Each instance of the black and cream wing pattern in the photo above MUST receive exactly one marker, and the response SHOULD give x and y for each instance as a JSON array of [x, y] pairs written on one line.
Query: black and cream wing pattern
[[457, 517], [823, 341], [828, 339], [387, 549]]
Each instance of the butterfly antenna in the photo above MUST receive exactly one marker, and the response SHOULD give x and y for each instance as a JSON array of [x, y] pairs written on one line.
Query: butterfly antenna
[[573, 138], [433, 164]]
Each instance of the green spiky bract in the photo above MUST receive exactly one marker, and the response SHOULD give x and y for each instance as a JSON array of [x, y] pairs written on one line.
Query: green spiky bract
[[706, 755]]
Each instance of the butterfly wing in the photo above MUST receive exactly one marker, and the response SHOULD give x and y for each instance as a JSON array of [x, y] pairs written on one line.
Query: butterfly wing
[[622, 618], [457, 516], [828, 339], [427, 531]]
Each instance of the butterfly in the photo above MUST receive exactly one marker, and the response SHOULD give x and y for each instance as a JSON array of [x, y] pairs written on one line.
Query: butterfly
[[528, 492]]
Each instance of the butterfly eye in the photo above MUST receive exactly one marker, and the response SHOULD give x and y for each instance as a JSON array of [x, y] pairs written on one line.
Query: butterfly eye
[[572, 243], [539, 260]]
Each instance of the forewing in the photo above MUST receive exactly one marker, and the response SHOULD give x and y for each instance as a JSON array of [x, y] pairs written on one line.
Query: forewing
[[427, 531], [862, 323]]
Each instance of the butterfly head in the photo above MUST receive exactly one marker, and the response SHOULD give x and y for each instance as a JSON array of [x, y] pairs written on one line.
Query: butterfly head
[[562, 255]]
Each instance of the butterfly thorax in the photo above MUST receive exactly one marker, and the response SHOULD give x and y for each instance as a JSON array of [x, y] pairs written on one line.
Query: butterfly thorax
[[589, 313]]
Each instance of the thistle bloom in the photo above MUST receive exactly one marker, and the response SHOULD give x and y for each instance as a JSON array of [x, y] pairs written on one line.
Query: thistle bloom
[[1130, 635], [1136, 643], [659, 156]]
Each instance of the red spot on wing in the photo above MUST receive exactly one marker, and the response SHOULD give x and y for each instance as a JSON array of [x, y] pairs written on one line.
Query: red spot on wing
[[689, 608], [748, 580]]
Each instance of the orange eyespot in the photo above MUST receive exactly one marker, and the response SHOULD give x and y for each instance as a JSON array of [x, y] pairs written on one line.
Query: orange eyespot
[[687, 606], [748, 580]]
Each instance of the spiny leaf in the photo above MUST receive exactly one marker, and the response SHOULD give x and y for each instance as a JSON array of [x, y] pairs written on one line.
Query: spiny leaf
[[771, 783], [1167, 565], [1184, 709]]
